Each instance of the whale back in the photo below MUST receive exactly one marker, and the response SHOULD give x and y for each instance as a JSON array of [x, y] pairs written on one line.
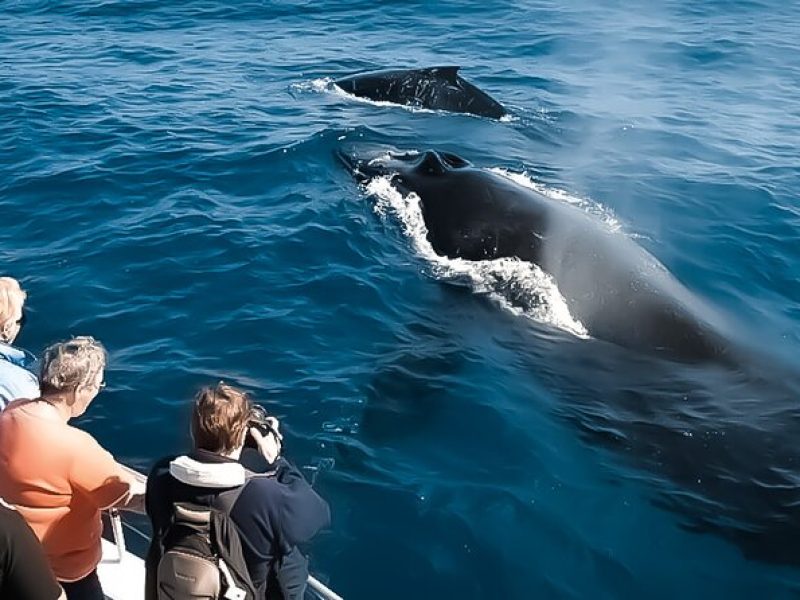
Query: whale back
[[624, 294], [615, 287], [618, 290], [436, 88], [469, 213]]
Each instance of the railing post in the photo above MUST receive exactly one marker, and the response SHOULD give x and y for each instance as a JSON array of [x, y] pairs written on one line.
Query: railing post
[[116, 529], [322, 590]]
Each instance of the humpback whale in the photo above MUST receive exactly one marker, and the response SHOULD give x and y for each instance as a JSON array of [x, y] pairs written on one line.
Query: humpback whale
[[437, 88], [618, 290], [718, 426]]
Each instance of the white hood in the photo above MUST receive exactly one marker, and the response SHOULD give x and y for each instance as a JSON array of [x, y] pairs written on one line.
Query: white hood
[[208, 475]]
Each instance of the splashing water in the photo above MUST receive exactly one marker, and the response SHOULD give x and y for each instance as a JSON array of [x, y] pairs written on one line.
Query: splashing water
[[314, 86], [517, 286]]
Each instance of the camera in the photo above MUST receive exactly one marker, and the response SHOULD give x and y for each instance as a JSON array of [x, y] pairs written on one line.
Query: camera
[[259, 420]]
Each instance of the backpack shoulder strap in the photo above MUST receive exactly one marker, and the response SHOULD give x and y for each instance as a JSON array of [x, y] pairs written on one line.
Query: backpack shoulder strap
[[230, 556], [225, 500], [226, 535]]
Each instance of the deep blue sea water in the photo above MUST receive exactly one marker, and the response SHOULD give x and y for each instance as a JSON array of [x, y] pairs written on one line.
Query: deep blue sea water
[[168, 185]]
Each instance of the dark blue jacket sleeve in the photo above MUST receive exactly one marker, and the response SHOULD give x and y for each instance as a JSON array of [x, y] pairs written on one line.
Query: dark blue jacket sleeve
[[301, 512]]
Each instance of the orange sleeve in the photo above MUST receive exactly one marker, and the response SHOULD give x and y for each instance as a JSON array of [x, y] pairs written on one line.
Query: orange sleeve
[[97, 475]]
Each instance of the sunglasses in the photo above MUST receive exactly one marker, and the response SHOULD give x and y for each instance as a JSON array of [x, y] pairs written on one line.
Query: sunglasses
[[22, 320]]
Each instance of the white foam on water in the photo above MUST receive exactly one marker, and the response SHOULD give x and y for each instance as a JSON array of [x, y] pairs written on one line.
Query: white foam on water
[[318, 86], [517, 286]]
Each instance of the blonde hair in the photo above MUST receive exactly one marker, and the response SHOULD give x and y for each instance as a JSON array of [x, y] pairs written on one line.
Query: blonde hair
[[66, 366], [12, 297]]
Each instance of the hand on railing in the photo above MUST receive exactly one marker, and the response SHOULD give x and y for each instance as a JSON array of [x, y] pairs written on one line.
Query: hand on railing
[[134, 499]]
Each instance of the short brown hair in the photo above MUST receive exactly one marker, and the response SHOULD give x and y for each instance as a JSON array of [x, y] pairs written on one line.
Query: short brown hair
[[219, 418]]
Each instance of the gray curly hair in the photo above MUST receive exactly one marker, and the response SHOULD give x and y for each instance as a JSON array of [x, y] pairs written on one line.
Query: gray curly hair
[[66, 366]]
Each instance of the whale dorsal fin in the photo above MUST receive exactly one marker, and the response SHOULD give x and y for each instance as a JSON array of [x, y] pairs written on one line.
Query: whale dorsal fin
[[449, 74]]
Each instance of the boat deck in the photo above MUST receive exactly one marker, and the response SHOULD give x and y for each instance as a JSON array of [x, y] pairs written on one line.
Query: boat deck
[[122, 574]]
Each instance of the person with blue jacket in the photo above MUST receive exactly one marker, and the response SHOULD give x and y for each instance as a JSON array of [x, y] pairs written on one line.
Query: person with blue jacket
[[17, 366]]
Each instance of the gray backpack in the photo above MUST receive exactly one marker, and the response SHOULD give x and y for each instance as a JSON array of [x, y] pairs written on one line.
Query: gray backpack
[[201, 554]]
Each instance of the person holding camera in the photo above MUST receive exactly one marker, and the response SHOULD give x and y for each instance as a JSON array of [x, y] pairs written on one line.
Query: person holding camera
[[271, 506]]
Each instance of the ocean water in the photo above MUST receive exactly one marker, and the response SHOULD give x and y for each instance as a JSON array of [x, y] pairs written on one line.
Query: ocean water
[[168, 184]]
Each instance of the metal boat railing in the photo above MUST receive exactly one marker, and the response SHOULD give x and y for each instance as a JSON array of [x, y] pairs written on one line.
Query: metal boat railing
[[117, 524]]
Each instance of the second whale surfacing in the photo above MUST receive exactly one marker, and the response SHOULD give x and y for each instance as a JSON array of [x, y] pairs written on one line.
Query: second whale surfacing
[[435, 88], [619, 292]]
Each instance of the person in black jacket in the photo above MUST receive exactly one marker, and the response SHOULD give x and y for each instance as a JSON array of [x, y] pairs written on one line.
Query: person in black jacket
[[275, 511], [24, 572]]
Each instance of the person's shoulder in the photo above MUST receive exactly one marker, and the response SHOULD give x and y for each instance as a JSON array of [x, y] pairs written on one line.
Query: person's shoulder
[[159, 473], [65, 439], [265, 482], [160, 468], [260, 489], [17, 382], [81, 439], [268, 489], [261, 498]]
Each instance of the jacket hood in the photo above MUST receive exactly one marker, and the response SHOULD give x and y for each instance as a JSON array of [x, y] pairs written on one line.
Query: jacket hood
[[215, 475]]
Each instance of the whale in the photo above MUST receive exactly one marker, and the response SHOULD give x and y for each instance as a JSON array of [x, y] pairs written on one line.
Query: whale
[[713, 422], [435, 88], [617, 289]]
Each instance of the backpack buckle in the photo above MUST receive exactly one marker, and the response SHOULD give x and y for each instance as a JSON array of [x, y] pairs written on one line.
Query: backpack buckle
[[231, 591]]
